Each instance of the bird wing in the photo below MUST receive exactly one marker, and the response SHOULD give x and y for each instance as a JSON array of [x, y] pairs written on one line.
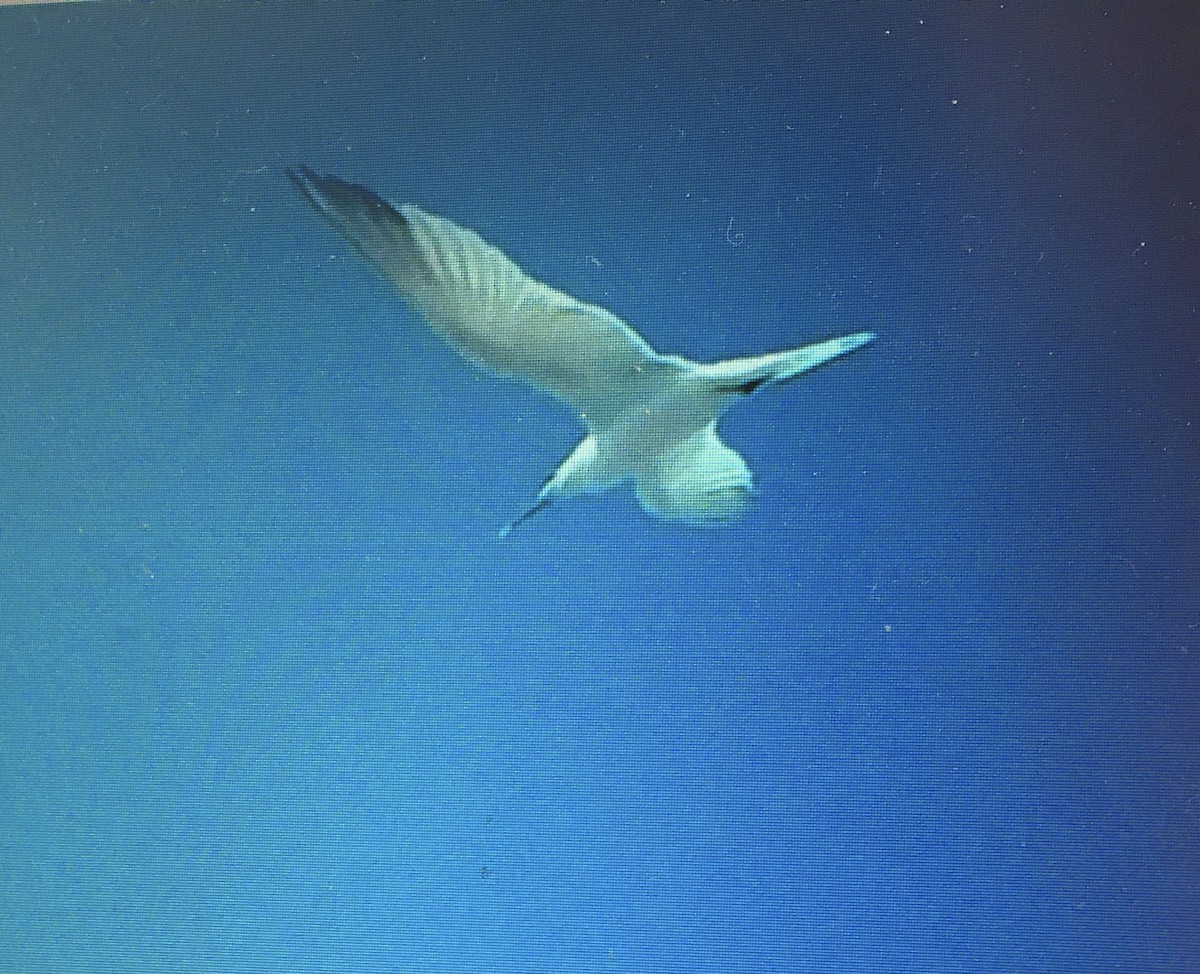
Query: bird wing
[[485, 306]]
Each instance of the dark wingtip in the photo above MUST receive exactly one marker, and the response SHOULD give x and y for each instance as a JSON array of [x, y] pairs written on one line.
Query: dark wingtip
[[300, 175], [540, 505], [747, 388], [324, 192], [303, 179]]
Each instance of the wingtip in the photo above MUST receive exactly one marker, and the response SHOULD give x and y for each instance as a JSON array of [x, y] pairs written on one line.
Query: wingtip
[[858, 340], [539, 505], [333, 192], [305, 180]]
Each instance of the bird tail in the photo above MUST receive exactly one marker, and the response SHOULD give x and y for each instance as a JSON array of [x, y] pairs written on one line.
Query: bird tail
[[748, 374], [700, 481]]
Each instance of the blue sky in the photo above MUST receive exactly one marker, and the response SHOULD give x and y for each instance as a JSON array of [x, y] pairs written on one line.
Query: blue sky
[[273, 696]]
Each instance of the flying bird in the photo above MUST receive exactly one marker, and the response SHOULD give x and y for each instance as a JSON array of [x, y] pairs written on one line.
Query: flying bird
[[650, 418]]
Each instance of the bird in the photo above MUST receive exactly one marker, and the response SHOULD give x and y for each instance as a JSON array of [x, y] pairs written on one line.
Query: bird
[[650, 418]]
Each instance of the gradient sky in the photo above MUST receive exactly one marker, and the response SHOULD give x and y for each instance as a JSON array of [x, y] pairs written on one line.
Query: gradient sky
[[273, 696]]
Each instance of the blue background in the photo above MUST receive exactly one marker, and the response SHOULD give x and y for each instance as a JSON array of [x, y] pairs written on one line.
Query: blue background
[[274, 698]]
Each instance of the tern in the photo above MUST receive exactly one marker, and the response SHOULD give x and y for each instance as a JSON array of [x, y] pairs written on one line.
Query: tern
[[651, 419]]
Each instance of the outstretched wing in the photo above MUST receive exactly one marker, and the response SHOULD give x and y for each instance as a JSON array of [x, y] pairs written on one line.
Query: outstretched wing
[[485, 306], [701, 481]]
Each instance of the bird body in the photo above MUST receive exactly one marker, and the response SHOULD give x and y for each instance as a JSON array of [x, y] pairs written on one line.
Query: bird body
[[650, 418]]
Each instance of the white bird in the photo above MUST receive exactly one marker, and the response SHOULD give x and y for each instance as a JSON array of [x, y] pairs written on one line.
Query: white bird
[[650, 418]]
